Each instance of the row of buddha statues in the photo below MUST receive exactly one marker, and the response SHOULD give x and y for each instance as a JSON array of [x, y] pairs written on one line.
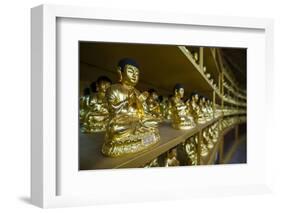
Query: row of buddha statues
[[189, 152], [233, 111], [195, 56], [242, 98], [130, 118], [230, 88], [228, 98]]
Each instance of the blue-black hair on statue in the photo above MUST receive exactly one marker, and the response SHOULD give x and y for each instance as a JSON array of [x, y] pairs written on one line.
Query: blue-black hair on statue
[[103, 78], [194, 93], [178, 86], [151, 91], [123, 62]]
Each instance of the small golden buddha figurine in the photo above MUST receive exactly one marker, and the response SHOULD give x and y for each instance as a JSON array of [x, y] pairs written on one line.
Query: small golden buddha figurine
[[204, 69], [195, 56], [84, 104], [190, 147], [171, 159], [130, 129], [180, 119], [210, 110], [153, 106], [163, 106], [189, 110], [204, 109], [206, 139], [97, 116], [196, 111], [213, 133], [169, 108], [203, 147]]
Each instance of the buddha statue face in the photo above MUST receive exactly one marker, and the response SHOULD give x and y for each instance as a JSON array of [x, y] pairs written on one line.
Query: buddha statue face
[[195, 97], [179, 92], [103, 86], [203, 100], [154, 96], [130, 75]]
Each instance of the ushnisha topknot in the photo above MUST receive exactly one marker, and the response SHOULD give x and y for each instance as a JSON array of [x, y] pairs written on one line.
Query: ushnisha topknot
[[123, 62]]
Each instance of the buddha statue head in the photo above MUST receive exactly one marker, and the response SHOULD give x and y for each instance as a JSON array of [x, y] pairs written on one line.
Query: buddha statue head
[[102, 84], [179, 91], [153, 94], [128, 71], [202, 100], [194, 96]]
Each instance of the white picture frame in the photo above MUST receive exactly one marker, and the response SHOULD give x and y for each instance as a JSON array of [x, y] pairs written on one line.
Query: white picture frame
[[45, 178]]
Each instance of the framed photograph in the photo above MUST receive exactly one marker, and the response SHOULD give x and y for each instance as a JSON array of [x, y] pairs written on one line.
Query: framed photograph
[[132, 106]]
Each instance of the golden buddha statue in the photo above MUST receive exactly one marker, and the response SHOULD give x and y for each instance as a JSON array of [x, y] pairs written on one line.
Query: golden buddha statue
[[180, 119], [130, 129], [209, 106], [164, 106], [171, 159], [153, 106], [84, 104], [204, 109], [189, 110], [196, 110], [195, 56], [203, 147], [97, 116], [190, 148], [169, 108], [213, 133], [206, 139]]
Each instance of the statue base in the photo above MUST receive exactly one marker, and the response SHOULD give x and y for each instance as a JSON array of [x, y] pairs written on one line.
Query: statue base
[[182, 126], [93, 129], [131, 144], [201, 120]]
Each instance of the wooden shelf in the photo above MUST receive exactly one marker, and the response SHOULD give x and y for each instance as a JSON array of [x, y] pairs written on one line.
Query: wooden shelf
[[231, 101], [235, 93], [91, 157]]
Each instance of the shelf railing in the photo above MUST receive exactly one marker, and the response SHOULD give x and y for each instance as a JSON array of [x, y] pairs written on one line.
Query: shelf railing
[[206, 76]]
